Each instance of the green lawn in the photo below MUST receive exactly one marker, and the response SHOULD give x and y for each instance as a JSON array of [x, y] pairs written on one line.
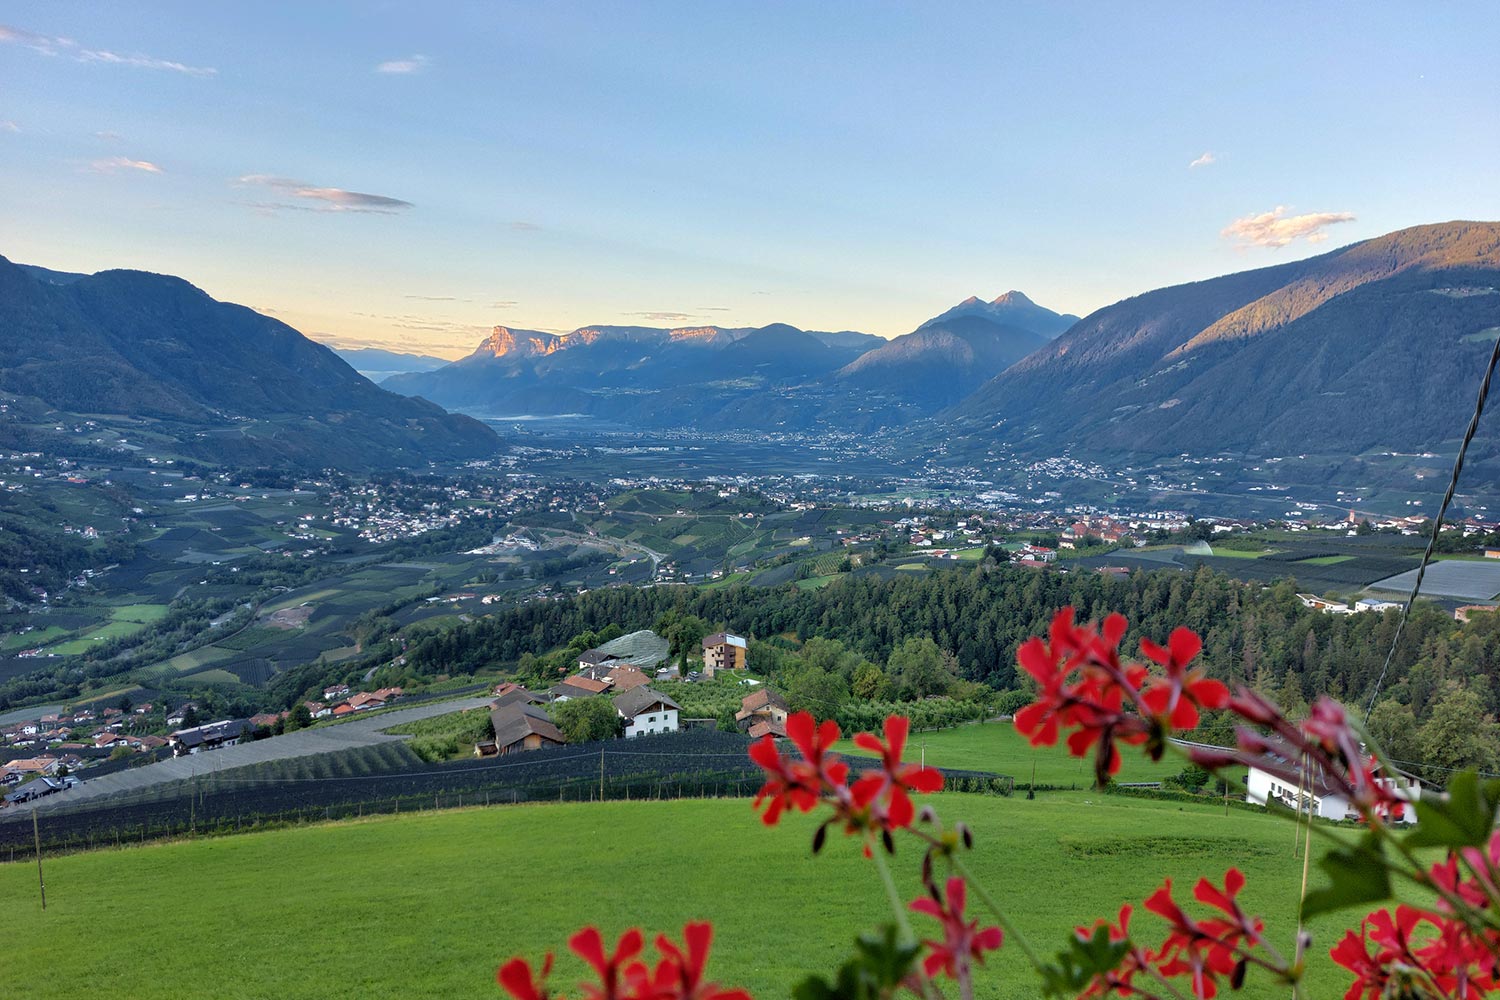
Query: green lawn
[[1227, 553], [1323, 561], [32, 639], [427, 905], [996, 746]]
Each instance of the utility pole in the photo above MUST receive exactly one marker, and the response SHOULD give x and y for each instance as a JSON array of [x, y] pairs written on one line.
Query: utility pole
[[36, 833]]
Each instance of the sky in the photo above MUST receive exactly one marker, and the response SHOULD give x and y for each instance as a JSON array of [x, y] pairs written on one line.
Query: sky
[[408, 176]]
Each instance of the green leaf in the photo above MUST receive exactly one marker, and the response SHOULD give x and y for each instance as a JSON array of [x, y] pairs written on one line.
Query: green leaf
[[1083, 960], [880, 963], [1464, 818], [1357, 875]]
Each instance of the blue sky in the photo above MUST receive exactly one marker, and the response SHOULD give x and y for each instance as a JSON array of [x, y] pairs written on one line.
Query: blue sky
[[410, 175]]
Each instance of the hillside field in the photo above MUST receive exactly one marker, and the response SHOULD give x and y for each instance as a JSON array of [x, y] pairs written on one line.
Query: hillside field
[[428, 905]]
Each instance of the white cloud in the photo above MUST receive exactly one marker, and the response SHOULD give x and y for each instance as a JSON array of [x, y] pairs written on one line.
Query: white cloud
[[108, 136], [48, 45], [113, 163], [1206, 160], [411, 64], [1276, 229], [6, 125], [328, 199]]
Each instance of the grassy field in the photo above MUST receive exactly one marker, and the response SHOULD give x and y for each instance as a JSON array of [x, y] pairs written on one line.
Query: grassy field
[[996, 746], [430, 904]]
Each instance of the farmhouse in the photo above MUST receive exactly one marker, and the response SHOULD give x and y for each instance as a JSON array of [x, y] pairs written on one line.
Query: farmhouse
[[210, 737], [625, 677], [577, 687], [762, 712], [519, 727], [647, 711], [723, 651], [1277, 775]]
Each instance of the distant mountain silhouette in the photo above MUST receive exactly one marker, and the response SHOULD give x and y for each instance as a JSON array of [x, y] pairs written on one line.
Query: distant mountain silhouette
[[228, 383], [1011, 309]]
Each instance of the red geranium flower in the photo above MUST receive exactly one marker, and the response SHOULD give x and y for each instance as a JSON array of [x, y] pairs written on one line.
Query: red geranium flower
[[1176, 698], [517, 979], [889, 785], [798, 784], [679, 974], [589, 946], [962, 942]]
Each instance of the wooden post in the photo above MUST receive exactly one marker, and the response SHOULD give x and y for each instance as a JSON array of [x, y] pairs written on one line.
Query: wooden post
[[36, 833], [601, 772]]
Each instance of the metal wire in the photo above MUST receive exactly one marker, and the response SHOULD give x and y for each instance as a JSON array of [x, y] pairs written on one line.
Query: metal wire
[[1437, 524]]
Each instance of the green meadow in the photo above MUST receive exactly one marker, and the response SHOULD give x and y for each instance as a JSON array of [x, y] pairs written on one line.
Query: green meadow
[[428, 905], [997, 747]]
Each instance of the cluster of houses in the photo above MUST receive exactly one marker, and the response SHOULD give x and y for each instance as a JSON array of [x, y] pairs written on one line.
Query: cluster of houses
[[621, 669], [1360, 606], [339, 701]]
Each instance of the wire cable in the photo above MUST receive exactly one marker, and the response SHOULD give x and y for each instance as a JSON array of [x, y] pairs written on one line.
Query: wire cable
[[1437, 525]]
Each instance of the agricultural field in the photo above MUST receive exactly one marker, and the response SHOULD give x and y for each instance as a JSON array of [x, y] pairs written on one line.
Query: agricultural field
[[461, 891], [1320, 564]]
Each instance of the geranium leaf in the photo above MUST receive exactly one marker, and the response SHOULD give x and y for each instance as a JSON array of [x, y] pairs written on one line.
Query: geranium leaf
[[1357, 875]]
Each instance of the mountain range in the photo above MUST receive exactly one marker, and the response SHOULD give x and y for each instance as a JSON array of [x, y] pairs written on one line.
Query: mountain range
[[771, 377], [221, 381], [1370, 348], [1377, 345]]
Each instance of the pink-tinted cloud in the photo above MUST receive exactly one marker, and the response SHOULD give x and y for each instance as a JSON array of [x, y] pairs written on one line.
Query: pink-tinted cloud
[[1206, 160], [327, 199], [114, 163], [1276, 229]]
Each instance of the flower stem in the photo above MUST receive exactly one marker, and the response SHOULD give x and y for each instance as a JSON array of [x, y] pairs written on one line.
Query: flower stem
[[1011, 930], [898, 909]]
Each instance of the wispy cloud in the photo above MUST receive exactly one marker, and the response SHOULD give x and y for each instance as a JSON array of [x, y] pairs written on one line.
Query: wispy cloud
[[1276, 229], [1208, 159], [665, 317], [436, 298], [411, 64], [108, 136], [525, 227], [6, 125], [114, 163], [49, 45], [325, 199], [503, 304]]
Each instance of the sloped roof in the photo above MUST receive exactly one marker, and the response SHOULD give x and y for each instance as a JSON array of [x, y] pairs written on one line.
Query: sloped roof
[[764, 727], [637, 700], [723, 639], [516, 721], [623, 678], [586, 685], [644, 649], [763, 698]]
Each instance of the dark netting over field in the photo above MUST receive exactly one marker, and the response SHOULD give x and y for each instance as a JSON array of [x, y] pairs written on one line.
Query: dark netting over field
[[389, 778]]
